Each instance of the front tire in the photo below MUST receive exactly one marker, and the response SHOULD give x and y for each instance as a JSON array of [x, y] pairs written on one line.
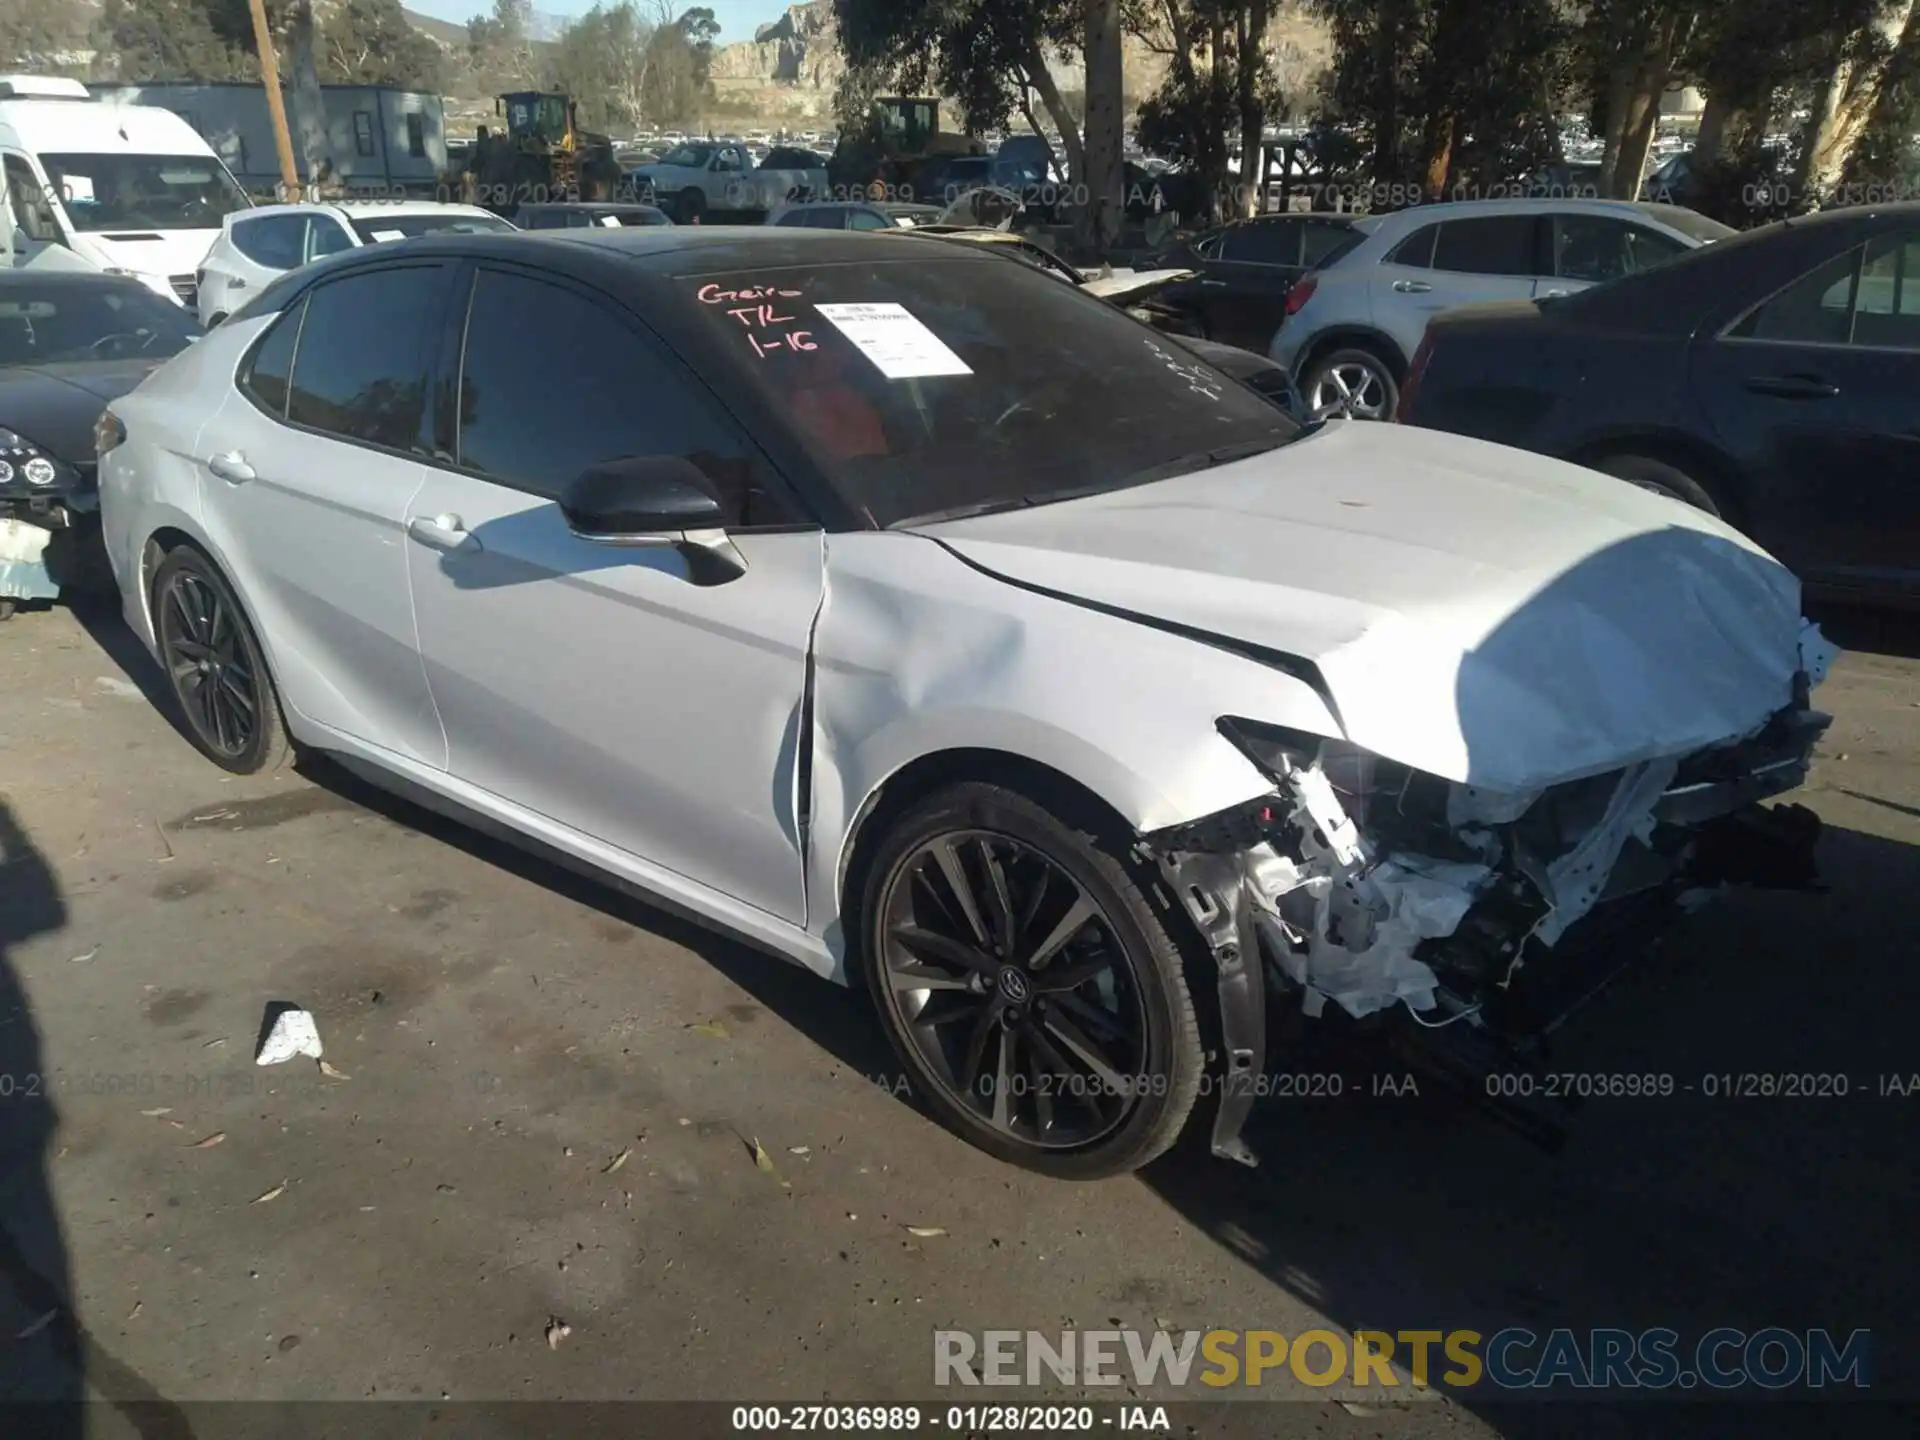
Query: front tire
[[1034, 994], [1659, 477], [215, 667], [688, 206]]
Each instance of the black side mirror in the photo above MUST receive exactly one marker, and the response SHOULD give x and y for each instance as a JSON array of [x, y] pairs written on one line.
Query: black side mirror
[[655, 500], [641, 498]]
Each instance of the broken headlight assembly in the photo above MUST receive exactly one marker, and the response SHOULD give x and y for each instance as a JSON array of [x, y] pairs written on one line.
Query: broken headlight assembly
[[25, 466]]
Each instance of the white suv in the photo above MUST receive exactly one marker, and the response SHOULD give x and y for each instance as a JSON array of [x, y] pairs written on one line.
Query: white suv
[[1351, 326], [257, 246]]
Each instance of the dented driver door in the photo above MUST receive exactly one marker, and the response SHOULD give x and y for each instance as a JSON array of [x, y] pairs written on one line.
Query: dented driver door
[[605, 687]]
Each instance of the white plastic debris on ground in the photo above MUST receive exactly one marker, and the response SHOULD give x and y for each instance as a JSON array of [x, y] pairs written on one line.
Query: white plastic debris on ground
[[293, 1033], [23, 565]]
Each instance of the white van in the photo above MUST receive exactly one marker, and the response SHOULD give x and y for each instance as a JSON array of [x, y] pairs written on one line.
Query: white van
[[103, 185]]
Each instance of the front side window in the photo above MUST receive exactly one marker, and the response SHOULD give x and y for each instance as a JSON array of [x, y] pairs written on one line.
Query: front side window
[[1815, 310], [417, 135], [688, 157], [360, 371], [1486, 245], [362, 133], [929, 385], [276, 241], [1594, 248], [867, 220], [1886, 304], [27, 199], [143, 192], [552, 384], [327, 236]]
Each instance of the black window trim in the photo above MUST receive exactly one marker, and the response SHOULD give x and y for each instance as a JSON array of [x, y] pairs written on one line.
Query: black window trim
[[443, 410], [1431, 230], [418, 453], [243, 373]]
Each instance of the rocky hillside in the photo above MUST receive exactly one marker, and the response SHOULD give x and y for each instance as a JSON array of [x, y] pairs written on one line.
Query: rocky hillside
[[801, 49], [795, 62]]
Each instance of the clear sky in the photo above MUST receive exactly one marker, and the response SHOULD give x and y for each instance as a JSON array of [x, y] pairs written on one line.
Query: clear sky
[[738, 18]]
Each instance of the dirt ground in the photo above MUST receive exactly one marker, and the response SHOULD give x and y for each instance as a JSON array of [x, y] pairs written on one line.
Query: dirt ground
[[545, 1100]]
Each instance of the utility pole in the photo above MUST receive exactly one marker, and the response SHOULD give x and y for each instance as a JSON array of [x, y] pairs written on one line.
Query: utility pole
[[276, 102]]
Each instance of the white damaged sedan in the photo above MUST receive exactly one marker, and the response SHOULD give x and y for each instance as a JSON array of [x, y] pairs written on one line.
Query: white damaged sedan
[[923, 621]]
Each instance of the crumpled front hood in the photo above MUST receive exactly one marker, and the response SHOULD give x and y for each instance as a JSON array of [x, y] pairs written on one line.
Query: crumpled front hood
[[1477, 612]]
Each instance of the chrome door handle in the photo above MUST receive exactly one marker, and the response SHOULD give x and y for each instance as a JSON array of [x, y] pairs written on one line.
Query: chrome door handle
[[232, 466], [443, 532], [1412, 287], [1214, 284]]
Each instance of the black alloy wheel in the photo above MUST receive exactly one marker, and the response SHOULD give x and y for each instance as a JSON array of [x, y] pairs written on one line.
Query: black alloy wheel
[[1030, 987], [214, 667]]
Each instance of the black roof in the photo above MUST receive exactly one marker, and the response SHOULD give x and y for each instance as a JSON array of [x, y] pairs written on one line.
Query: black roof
[[629, 256], [681, 250], [41, 279], [598, 207]]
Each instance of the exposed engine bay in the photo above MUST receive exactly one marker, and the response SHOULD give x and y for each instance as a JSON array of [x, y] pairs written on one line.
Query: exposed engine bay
[[1476, 919]]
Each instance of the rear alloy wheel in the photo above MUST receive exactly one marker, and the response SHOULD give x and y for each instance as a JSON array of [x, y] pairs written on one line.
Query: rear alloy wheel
[[215, 668], [1354, 384], [1031, 989], [1659, 477]]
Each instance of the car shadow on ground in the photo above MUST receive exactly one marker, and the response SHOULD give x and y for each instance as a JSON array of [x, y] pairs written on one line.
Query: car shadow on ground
[[1391, 1211], [1881, 632], [1710, 1207], [48, 1358]]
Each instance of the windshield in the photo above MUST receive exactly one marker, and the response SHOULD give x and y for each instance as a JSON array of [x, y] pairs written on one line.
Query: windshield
[[928, 386], [143, 192], [62, 319], [1690, 223], [691, 157], [404, 227]]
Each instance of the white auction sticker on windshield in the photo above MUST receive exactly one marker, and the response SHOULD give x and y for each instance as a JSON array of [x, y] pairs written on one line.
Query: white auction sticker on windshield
[[899, 345], [383, 237]]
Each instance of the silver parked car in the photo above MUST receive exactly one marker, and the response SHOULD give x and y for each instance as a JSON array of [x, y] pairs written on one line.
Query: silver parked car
[[1351, 326], [940, 627]]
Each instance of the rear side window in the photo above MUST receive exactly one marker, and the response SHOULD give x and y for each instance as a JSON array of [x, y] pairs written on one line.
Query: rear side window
[[276, 241], [265, 375], [552, 383], [1321, 244], [1486, 245], [1416, 251], [360, 371], [1263, 242], [867, 220]]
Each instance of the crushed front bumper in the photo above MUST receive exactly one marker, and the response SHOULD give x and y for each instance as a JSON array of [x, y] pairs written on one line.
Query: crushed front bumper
[[1463, 928]]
